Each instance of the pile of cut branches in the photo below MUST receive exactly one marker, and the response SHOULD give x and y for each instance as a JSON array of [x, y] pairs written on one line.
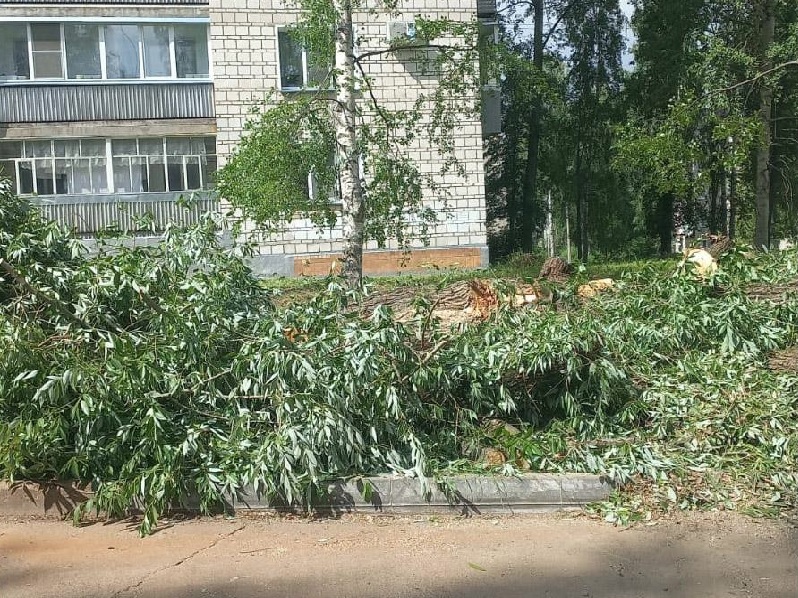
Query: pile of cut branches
[[157, 372]]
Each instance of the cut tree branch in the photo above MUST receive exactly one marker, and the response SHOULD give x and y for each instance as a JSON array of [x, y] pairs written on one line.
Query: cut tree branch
[[20, 280]]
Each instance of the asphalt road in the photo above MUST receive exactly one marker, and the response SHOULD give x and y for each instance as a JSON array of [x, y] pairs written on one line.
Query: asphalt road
[[698, 556]]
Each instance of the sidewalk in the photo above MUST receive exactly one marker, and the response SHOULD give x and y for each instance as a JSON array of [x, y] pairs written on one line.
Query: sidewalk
[[388, 556]]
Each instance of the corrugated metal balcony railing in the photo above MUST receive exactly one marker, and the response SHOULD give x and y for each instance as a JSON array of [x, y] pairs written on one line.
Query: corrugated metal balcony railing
[[131, 213], [82, 102]]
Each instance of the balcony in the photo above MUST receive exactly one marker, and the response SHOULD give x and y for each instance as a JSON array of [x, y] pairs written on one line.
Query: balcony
[[93, 214], [73, 102]]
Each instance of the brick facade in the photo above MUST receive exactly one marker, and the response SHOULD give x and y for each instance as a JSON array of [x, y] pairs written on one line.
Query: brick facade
[[246, 70]]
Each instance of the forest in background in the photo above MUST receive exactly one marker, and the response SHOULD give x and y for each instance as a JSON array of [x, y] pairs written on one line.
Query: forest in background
[[696, 134]]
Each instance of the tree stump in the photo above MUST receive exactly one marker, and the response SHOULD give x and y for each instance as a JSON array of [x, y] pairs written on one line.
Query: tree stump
[[556, 269], [720, 246]]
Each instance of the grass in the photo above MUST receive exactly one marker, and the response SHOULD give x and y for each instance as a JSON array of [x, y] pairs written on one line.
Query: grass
[[518, 266]]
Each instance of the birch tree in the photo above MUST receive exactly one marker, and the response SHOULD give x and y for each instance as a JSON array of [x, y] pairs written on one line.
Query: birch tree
[[382, 191]]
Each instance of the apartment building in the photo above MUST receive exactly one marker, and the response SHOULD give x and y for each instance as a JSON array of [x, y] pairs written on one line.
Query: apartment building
[[112, 111]]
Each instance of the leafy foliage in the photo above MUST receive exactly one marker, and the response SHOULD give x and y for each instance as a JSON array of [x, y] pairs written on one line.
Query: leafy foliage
[[282, 145], [158, 372], [703, 422]]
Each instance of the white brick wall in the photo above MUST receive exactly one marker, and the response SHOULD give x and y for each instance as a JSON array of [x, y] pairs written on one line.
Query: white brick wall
[[246, 69]]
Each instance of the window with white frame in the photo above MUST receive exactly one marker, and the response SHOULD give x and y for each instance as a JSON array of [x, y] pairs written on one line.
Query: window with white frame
[[82, 46], [122, 51], [157, 50], [62, 167], [297, 71], [103, 166], [14, 52], [46, 51], [96, 51], [163, 164], [191, 51]]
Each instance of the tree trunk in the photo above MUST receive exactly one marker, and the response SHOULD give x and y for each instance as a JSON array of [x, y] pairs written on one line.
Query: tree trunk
[[511, 183], [567, 234], [352, 206], [533, 145], [732, 226], [767, 34], [581, 208], [723, 207], [714, 192], [584, 244], [550, 246], [665, 223]]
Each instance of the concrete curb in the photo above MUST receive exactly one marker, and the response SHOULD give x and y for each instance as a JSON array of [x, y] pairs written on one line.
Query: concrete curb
[[463, 495]]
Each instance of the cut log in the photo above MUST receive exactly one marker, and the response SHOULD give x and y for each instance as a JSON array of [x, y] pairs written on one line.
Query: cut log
[[785, 361]]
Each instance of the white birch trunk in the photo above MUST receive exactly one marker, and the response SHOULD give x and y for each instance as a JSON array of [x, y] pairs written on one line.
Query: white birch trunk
[[549, 234], [347, 158], [567, 234]]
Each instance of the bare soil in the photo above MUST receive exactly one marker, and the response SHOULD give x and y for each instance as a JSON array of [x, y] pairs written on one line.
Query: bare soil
[[695, 556]]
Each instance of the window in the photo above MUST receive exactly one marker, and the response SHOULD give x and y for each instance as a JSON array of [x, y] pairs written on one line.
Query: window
[[158, 165], [71, 167], [127, 166], [333, 190], [122, 51], [14, 57], [99, 166], [81, 167], [8, 168], [46, 51], [488, 38], [91, 51], [191, 51], [296, 70], [157, 51], [82, 44]]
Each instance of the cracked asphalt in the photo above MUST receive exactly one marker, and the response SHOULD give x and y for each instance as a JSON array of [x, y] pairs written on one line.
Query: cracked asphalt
[[693, 556]]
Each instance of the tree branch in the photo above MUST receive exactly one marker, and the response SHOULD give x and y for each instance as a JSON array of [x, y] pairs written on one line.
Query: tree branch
[[371, 53], [23, 282], [58, 305], [754, 79]]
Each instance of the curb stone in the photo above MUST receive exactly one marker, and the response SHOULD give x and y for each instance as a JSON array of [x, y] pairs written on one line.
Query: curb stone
[[464, 495]]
